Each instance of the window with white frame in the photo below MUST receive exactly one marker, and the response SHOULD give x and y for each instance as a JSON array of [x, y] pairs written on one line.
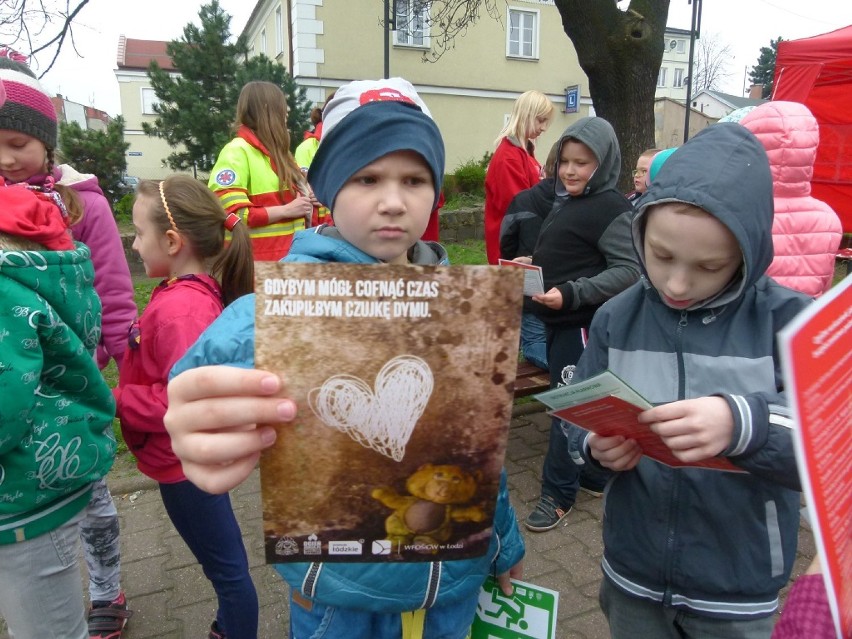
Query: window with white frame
[[149, 100], [661, 79], [522, 34], [411, 23], [677, 81], [681, 46], [279, 31], [263, 41]]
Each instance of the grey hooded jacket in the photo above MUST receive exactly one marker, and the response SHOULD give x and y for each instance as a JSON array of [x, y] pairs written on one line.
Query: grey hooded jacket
[[720, 544]]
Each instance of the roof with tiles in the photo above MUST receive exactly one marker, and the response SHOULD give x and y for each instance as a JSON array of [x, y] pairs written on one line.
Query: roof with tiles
[[138, 54]]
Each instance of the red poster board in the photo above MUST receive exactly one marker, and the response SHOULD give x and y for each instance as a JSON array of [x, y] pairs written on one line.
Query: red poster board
[[817, 355], [605, 404], [610, 416]]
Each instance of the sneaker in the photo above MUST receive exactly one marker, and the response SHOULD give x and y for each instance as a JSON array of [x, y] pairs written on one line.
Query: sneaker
[[546, 515], [215, 633], [108, 618], [589, 489]]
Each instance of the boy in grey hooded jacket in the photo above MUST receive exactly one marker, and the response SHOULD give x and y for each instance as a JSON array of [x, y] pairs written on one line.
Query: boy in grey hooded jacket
[[688, 551]]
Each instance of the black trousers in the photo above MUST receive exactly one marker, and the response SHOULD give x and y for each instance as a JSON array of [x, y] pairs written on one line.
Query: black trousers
[[560, 476]]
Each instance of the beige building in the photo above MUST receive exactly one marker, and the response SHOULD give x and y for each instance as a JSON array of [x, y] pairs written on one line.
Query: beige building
[[469, 90], [670, 120], [146, 155]]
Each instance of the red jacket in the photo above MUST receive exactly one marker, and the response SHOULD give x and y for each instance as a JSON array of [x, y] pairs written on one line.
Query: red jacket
[[511, 170], [179, 311], [433, 229]]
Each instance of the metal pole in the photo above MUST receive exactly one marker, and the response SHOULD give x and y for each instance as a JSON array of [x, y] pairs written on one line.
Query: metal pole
[[387, 38], [693, 32]]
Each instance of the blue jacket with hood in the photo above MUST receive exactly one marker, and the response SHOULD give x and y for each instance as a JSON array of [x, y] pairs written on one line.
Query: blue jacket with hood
[[376, 587], [720, 544]]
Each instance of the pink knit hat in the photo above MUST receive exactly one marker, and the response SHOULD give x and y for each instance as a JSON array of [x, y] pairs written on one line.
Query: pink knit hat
[[28, 108]]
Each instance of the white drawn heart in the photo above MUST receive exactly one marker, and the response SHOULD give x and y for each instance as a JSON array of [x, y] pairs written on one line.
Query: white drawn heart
[[382, 419]]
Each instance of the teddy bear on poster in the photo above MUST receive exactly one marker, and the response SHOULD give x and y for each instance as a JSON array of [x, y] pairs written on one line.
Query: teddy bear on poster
[[425, 517]]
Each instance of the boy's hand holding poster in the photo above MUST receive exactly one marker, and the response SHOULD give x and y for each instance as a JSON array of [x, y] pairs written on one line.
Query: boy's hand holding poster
[[403, 377], [606, 405], [817, 356]]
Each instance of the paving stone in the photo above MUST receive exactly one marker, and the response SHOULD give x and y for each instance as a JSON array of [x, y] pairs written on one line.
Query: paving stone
[[172, 599]]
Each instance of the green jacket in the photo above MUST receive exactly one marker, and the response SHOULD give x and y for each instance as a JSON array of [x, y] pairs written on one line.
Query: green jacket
[[56, 410]]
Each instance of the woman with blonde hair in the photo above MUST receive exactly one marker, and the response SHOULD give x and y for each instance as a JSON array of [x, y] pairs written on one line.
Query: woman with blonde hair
[[513, 168], [256, 177]]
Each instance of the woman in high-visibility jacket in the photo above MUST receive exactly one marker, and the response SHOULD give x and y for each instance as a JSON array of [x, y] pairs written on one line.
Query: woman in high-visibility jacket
[[304, 155], [256, 177]]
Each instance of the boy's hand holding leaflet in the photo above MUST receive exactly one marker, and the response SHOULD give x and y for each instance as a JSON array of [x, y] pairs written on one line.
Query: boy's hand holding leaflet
[[533, 282], [606, 405]]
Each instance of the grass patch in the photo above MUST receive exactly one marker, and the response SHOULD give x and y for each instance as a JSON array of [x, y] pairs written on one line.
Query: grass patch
[[142, 288], [110, 374], [457, 201], [467, 252]]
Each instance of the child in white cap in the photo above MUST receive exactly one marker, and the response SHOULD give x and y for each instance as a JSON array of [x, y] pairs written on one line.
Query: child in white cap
[[378, 168]]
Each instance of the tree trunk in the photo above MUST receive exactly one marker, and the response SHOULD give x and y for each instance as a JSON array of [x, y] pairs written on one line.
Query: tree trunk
[[621, 53]]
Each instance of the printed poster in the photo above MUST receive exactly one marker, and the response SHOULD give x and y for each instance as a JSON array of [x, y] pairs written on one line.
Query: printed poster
[[533, 279], [403, 376], [817, 356]]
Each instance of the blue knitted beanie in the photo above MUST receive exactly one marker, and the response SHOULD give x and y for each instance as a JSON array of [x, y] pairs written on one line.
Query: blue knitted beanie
[[365, 121]]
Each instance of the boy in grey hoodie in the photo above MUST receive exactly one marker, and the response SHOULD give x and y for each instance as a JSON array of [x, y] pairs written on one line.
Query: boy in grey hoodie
[[688, 551]]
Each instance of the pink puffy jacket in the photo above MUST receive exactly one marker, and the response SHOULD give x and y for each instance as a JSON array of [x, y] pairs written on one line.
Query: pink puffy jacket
[[806, 232]]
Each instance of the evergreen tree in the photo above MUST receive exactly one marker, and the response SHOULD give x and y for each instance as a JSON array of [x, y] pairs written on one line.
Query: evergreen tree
[[102, 153], [195, 110], [764, 71]]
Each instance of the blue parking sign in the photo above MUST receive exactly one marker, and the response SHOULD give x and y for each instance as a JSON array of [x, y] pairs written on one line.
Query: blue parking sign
[[572, 99]]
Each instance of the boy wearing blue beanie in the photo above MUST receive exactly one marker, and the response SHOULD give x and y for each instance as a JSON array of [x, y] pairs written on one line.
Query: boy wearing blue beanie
[[379, 169]]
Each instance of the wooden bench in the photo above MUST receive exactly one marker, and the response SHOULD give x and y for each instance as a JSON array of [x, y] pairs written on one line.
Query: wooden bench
[[530, 380]]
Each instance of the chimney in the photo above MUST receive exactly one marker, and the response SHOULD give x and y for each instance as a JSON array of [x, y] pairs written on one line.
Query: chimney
[[756, 92]]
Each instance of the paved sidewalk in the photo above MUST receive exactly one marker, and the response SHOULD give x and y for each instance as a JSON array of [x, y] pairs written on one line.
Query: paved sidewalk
[[172, 599]]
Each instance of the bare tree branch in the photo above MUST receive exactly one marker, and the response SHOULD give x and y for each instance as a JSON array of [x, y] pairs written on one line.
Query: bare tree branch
[[446, 19], [31, 27], [711, 63]]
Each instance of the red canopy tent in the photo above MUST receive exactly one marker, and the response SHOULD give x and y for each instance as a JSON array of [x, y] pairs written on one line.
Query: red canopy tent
[[817, 72]]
